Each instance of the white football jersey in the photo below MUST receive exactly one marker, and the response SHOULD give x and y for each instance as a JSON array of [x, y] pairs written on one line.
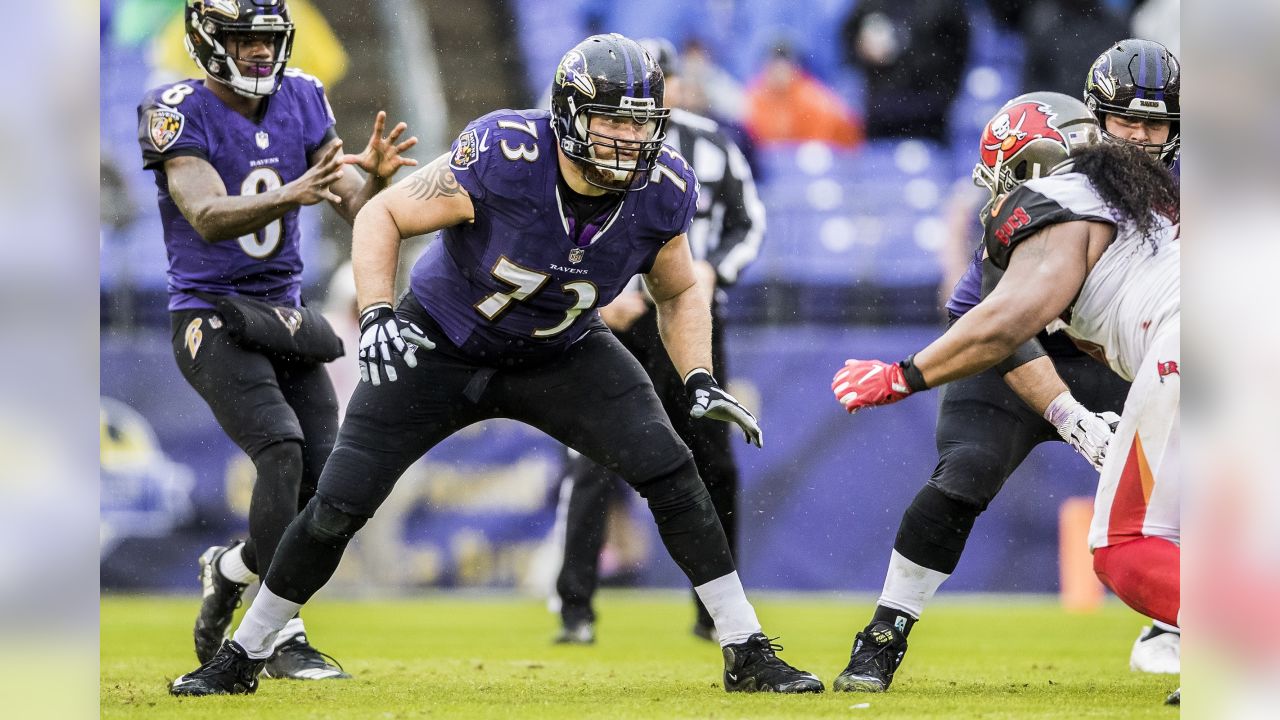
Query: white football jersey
[[1133, 290]]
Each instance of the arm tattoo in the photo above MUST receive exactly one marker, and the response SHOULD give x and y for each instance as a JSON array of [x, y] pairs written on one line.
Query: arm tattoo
[[432, 181]]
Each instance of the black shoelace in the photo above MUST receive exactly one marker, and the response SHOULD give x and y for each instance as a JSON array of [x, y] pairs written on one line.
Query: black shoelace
[[302, 648], [882, 656]]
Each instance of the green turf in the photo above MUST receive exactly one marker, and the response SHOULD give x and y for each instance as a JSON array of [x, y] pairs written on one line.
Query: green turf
[[457, 656]]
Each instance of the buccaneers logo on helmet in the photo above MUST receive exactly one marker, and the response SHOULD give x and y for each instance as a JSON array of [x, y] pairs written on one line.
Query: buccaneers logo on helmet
[[1015, 128]]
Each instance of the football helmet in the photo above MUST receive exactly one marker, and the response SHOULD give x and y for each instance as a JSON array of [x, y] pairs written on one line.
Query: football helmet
[[1030, 137], [1138, 79], [610, 76], [209, 24]]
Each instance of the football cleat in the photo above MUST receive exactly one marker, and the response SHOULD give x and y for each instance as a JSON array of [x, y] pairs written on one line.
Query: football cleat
[[218, 602], [295, 659], [230, 672], [752, 666], [1156, 653], [877, 653], [576, 633], [1175, 698]]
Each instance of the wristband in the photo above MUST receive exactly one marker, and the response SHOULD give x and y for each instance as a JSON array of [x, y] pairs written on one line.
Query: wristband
[[914, 378]]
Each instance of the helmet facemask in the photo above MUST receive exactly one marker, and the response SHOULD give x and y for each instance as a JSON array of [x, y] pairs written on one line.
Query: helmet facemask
[[1166, 152], [617, 162], [207, 42]]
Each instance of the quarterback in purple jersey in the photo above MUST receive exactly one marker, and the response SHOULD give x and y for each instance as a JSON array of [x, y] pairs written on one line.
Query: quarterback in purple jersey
[[545, 216], [235, 155], [988, 423]]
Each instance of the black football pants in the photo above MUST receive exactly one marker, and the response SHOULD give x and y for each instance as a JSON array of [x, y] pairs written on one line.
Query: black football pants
[[594, 397], [283, 414]]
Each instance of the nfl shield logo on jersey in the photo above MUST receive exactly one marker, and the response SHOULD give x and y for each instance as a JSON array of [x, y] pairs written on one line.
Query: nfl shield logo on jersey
[[575, 255], [262, 139], [165, 127]]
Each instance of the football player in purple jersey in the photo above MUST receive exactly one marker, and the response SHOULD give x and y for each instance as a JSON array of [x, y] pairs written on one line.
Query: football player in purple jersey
[[235, 155], [990, 422], [544, 217]]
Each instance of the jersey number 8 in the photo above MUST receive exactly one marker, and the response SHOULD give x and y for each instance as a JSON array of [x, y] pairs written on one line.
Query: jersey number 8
[[264, 242]]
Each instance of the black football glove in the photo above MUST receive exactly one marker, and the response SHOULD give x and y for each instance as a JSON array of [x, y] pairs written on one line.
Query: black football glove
[[382, 332], [711, 401]]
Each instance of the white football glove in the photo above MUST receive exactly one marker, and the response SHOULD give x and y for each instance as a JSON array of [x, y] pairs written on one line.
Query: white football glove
[[383, 332], [1088, 432]]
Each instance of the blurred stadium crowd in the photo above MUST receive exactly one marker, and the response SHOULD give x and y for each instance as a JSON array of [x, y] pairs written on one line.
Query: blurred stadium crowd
[[860, 118]]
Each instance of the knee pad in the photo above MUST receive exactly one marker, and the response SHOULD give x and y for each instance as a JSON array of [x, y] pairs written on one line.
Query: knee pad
[[280, 460], [329, 525], [677, 492], [935, 528], [673, 486], [970, 473]]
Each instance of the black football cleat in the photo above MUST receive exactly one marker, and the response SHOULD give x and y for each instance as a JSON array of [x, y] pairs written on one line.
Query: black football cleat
[[295, 659], [219, 601], [877, 653], [230, 672], [752, 666], [576, 633], [1175, 698]]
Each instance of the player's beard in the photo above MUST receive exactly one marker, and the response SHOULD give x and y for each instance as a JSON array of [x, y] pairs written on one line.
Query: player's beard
[[607, 177]]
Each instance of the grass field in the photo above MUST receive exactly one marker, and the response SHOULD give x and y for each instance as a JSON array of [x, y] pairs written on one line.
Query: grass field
[[455, 656]]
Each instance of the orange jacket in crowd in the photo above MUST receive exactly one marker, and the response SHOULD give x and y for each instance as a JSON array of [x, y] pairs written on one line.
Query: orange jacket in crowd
[[786, 104]]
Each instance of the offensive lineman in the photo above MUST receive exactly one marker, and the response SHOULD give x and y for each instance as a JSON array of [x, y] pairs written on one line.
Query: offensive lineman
[[545, 216]]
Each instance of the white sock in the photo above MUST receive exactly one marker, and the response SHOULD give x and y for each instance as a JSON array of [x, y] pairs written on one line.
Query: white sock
[[267, 616], [1166, 627], [231, 565], [291, 630], [909, 587], [734, 617]]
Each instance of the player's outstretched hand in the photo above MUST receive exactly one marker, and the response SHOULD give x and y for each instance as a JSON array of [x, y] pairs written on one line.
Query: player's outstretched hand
[[1088, 432], [709, 400], [867, 383], [381, 157], [313, 185], [382, 333]]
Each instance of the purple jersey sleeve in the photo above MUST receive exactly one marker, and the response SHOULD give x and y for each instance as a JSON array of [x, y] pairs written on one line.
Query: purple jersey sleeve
[[495, 158], [968, 290], [317, 123], [685, 195], [171, 125]]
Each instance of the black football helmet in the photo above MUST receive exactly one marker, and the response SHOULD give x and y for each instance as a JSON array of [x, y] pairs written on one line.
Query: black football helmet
[[610, 76], [210, 22], [1137, 79]]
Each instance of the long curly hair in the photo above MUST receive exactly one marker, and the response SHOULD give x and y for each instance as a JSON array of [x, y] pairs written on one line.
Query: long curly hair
[[1134, 185]]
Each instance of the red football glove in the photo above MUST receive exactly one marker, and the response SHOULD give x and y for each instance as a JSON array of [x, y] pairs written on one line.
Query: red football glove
[[867, 383]]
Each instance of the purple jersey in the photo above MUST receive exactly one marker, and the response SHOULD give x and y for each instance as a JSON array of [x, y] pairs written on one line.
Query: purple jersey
[[514, 283], [185, 118], [968, 290]]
